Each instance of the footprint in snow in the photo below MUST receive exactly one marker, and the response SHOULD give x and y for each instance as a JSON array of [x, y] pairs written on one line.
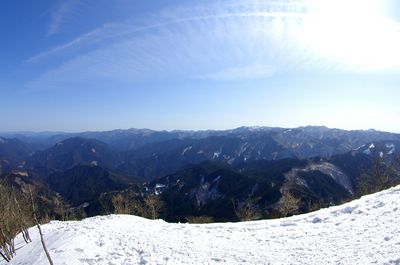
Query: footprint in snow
[[288, 224], [100, 243], [316, 220], [348, 209], [79, 250], [379, 205]]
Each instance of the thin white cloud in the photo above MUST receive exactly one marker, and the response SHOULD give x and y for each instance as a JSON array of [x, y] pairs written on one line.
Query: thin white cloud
[[115, 30], [62, 14], [223, 41], [81, 40], [241, 73]]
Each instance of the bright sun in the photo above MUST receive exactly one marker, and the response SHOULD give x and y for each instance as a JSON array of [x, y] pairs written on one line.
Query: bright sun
[[355, 33]]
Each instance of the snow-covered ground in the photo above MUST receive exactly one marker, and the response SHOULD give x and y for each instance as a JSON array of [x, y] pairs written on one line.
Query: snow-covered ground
[[365, 231]]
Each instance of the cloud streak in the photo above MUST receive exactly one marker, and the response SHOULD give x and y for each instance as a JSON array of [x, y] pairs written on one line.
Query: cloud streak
[[246, 72], [115, 30], [64, 13], [58, 16], [225, 41]]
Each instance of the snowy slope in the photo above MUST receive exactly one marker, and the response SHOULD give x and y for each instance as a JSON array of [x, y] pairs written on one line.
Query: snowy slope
[[365, 231]]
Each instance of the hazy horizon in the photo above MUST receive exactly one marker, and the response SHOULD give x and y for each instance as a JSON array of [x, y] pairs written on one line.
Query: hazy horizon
[[83, 65], [187, 130]]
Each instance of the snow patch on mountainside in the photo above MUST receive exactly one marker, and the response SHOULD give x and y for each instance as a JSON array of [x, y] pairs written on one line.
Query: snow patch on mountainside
[[392, 148], [186, 149], [335, 173], [364, 231], [324, 167], [216, 154]]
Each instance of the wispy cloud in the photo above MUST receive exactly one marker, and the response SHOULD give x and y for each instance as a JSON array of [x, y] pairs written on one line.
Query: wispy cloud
[[226, 41], [241, 73], [108, 32], [61, 15]]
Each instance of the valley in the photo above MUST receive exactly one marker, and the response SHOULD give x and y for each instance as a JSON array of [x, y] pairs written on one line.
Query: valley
[[212, 174]]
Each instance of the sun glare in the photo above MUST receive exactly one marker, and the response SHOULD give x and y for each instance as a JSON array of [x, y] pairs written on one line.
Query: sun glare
[[355, 33]]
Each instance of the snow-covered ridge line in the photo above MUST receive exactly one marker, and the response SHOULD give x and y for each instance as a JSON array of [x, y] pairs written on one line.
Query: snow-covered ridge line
[[364, 231]]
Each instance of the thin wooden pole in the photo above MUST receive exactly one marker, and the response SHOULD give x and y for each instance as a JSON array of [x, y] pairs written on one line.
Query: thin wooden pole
[[4, 257], [40, 230]]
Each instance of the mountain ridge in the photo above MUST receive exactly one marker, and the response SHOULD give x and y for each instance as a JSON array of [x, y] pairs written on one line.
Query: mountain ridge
[[318, 165], [46, 139]]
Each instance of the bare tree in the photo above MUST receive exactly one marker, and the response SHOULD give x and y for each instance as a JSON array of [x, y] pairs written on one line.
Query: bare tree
[[313, 205], [22, 215], [288, 203], [10, 224], [384, 173], [121, 204], [381, 172], [247, 210], [203, 219], [6, 246], [15, 218], [129, 203], [154, 205]]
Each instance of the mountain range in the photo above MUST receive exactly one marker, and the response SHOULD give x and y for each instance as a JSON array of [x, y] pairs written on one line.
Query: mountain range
[[204, 172]]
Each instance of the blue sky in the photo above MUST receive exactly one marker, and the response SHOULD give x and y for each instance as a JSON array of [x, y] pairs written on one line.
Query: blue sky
[[76, 65]]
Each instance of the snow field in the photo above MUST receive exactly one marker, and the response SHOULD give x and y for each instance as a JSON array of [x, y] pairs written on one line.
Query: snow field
[[365, 231]]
